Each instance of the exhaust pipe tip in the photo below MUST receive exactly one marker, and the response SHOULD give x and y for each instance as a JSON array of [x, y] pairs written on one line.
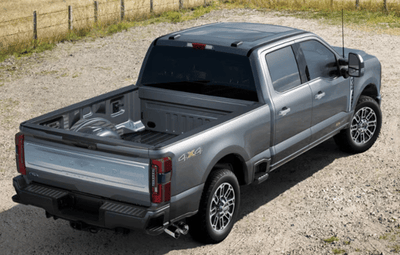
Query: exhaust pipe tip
[[173, 231], [183, 228], [177, 230]]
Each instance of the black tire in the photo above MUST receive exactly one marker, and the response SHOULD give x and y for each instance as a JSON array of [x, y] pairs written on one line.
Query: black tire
[[202, 227], [364, 129]]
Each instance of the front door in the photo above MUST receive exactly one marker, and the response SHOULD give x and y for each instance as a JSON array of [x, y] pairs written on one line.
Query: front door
[[330, 91]]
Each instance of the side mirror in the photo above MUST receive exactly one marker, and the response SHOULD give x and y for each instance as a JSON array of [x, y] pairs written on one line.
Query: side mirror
[[356, 65]]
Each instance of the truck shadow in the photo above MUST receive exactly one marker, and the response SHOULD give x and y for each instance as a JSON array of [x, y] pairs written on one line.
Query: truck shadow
[[288, 175], [25, 229]]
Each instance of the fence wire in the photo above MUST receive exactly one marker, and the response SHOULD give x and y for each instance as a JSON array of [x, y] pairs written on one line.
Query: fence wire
[[17, 33], [65, 23], [48, 13], [28, 18], [106, 12]]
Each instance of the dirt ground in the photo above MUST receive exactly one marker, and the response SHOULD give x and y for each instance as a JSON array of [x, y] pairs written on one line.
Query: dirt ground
[[353, 200]]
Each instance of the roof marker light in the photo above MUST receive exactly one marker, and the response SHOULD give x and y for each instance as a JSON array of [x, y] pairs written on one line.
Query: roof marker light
[[236, 44], [175, 36]]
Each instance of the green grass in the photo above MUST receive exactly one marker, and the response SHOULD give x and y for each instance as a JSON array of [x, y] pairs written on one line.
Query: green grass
[[317, 5], [25, 49], [388, 237], [331, 239], [338, 251], [369, 15], [363, 17]]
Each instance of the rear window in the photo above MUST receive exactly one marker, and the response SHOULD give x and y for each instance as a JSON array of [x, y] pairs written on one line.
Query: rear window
[[283, 69], [199, 71]]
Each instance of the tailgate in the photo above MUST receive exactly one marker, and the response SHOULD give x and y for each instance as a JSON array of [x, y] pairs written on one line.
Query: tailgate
[[98, 173]]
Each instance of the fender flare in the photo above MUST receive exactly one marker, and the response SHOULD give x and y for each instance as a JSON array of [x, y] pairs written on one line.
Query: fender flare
[[230, 150]]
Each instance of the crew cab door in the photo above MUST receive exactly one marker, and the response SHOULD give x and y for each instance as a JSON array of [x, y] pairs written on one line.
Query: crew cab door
[[292, 101], [330, 91]]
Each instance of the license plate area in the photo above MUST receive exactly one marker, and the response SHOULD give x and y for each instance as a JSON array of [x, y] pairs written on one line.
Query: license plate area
[[80, 206]]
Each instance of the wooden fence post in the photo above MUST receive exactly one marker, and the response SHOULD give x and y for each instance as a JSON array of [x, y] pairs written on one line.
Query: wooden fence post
[[34, 26], [96, 11], [180, 4], [70, 19], [385, 8], [331, 3], [357, 4], [122, 10], [151, 6]]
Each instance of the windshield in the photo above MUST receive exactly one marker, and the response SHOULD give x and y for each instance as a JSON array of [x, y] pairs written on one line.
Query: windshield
[[198, 71]]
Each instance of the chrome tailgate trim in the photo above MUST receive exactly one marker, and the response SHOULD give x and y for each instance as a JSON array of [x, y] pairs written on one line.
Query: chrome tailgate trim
[[119, 173]]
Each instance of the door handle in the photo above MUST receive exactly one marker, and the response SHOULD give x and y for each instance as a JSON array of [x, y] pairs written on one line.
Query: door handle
[[284, 111], [319, 95]]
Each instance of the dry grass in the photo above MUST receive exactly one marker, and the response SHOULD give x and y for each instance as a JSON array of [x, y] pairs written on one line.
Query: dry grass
[[333, 5], [16, 20], [16, 28], [370, 14]]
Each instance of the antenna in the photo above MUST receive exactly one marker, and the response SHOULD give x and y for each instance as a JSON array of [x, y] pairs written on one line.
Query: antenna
[[343, 33]]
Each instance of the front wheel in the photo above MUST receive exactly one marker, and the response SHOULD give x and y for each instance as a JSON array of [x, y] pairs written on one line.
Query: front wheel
[[219, 206], [364, 127]]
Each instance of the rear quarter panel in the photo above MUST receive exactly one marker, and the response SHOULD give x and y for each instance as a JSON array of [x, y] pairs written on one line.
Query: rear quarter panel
[[193, 158]]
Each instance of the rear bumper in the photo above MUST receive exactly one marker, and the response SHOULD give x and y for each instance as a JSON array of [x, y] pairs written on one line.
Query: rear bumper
[[91, 211]]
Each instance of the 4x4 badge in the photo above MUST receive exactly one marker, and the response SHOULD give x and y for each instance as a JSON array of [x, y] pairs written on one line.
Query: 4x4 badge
[[190, 154]]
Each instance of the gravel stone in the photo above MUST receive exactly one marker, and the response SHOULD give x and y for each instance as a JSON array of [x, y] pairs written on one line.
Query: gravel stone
[[321, 194]]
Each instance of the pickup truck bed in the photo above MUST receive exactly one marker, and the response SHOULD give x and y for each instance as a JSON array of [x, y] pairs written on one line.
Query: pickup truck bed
[[144, 118], [101, 146]]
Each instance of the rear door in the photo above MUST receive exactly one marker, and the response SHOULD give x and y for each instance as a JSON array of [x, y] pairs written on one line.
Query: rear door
[[330, 91], [293, 104]]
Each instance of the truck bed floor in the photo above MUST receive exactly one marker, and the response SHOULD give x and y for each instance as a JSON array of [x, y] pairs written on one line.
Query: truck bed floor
[[148, 137]]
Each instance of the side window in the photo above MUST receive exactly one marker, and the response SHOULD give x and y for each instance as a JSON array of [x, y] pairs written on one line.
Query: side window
[[321, 62], [283, 69]]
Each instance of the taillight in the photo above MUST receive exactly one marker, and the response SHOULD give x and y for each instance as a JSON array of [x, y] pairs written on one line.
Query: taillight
[[20, 153], [161, 173]]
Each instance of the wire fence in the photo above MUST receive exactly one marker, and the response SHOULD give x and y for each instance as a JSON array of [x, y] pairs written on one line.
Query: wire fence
[[51, 24]]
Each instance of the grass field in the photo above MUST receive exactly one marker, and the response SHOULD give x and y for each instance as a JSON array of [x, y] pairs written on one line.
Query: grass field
[[16, 17], [332, 5], [52, 18]]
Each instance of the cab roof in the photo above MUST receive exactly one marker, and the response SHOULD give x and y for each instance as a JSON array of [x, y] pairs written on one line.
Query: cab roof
[[239, 38]]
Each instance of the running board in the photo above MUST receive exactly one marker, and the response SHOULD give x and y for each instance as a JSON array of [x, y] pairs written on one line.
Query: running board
[[261, 178]]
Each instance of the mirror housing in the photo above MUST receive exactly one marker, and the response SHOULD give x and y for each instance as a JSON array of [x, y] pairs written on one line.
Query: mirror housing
[[343, 65], [356, 65]]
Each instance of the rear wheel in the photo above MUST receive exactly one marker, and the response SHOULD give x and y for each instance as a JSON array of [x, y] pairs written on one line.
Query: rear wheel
[[218, 209], [364, 127]]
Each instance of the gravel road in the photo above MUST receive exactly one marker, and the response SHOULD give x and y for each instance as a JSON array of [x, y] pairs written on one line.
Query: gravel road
[[351, 199]]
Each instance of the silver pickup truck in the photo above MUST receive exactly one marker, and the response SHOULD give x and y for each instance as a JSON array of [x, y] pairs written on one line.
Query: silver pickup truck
[[214, 107]]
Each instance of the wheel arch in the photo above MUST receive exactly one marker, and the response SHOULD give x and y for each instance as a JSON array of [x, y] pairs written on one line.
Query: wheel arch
[[235, 159], [370, 90], [236, 164]]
